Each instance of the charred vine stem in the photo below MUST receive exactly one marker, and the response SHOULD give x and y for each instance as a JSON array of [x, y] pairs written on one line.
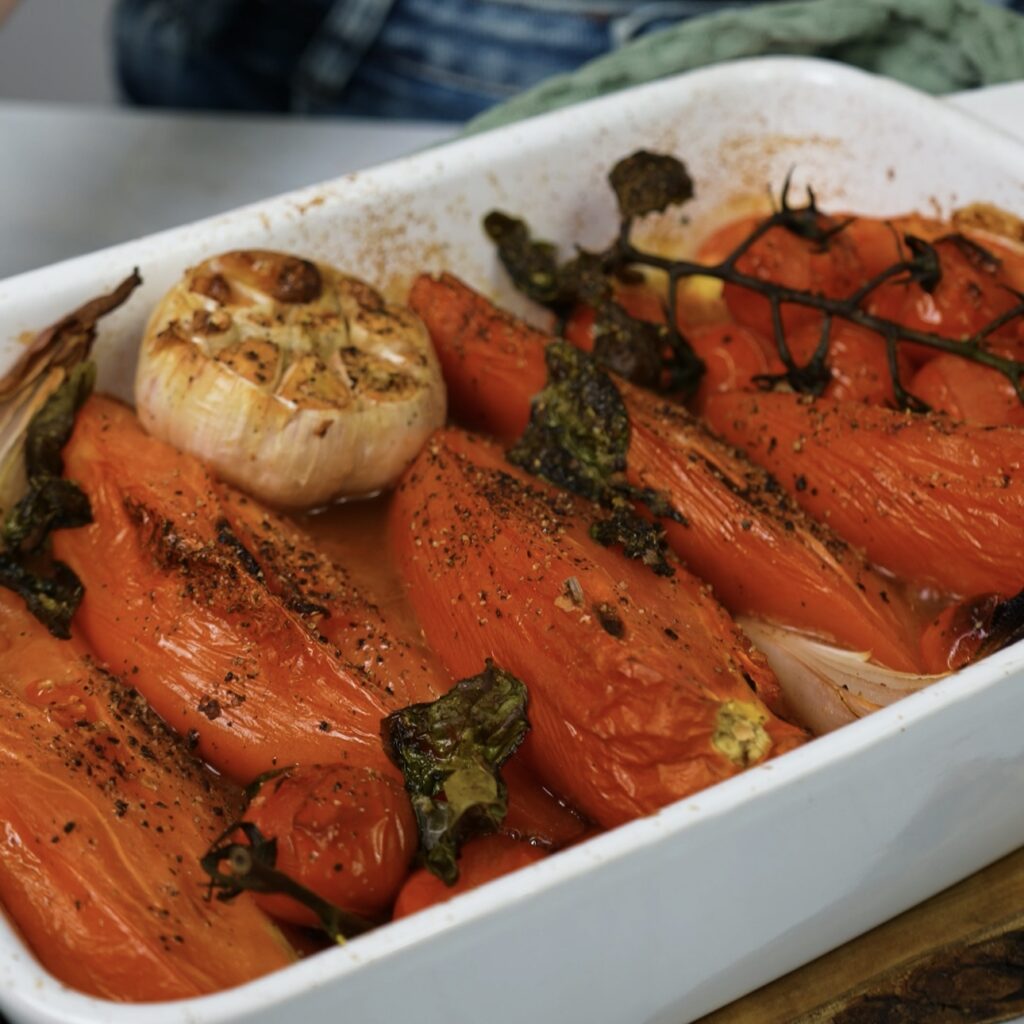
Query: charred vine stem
[[647, 182], [236, 866]]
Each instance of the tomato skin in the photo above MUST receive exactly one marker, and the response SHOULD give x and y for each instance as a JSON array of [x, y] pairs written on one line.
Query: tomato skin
[[786, 259], [368, 632], [579, 328], [968, 296], [504, 372], [724, 239], [534, 815], [105, 818], [213, 652], [733, 357], [857, 360], [952, 639], [641, 302], [343, 830], [480, 861], [968, 391], [737, 518], [876, 242]]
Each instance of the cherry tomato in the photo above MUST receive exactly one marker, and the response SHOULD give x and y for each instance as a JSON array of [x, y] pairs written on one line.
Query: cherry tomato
[[733, 356], [785, 258], [857, 359], [877, 244], [967, 391], [480, 861], [970, 294], [344, 831], [723, 240]]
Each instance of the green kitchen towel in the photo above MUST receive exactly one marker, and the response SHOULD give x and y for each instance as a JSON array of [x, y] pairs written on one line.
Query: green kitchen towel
[[936, 45]]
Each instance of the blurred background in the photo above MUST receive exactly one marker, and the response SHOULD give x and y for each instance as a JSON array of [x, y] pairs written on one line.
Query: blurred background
[[59, 51], [80, 169]]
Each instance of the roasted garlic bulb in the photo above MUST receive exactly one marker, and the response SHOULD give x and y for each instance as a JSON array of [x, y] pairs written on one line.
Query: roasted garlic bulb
[[292, 380]]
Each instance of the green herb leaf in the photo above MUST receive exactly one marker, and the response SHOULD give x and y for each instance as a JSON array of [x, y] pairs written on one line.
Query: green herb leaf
[[52, 592], [51, 427], [578, 433], [639, 538], [450, 752], [51, 503], [632, 348], [648, 182], [50, 589], [532, 265], [577, 438]]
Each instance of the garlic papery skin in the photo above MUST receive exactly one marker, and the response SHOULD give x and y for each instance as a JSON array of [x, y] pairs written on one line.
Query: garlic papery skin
[[291, 380], [825, 686]]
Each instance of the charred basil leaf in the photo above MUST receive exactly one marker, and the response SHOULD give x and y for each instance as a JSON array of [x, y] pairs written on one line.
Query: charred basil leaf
[[577, 438], [649, 182], [639, 538], [532, 265], [50, 589], [51, 427], [578, 433], [51, 503], [629, 347], [450, 751]]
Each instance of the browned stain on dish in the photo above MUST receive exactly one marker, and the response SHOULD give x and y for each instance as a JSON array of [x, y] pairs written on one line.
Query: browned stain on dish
[[310, 204]]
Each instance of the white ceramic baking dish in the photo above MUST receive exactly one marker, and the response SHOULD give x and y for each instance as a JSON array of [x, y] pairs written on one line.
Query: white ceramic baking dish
[[671, 916]]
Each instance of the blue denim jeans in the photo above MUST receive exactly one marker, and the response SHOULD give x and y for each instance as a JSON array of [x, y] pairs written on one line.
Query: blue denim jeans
[[436, 59]]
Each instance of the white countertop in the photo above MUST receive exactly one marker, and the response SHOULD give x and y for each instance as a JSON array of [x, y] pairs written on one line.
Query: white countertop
[[74, 179]]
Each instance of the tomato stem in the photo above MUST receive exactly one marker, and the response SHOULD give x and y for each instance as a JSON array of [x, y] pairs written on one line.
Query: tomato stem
[[588, 279]]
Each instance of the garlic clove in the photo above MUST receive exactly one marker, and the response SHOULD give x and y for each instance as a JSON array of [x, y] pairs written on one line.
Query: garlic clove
[[826, 686]]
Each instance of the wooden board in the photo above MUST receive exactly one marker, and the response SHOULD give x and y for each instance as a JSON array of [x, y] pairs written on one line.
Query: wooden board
[[957, 958]]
